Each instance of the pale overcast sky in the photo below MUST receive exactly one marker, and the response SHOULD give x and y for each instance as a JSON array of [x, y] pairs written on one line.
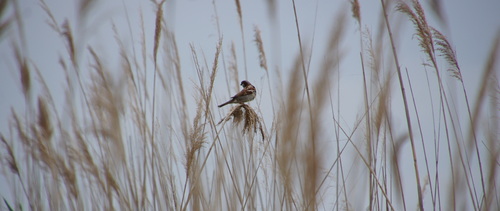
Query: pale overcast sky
[[470, 25]]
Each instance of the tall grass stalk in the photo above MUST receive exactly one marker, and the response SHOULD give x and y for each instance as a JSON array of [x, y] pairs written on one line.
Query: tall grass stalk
[[138, 136], [407, 112]]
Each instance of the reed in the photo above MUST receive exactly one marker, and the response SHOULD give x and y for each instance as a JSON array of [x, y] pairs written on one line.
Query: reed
[[136, 136]]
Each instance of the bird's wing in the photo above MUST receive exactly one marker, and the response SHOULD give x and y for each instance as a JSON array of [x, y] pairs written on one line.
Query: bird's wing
[[246, 91]]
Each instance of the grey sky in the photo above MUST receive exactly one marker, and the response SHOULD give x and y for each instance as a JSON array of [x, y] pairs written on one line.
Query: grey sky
[[470, 26]]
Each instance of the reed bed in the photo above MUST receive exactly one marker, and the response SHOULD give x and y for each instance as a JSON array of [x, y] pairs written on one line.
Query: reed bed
[[131, 138]]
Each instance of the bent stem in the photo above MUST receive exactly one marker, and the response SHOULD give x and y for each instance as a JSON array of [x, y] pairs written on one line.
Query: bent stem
[[407, 113]]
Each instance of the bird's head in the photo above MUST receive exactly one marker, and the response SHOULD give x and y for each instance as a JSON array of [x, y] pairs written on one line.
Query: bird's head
[[245, 83]]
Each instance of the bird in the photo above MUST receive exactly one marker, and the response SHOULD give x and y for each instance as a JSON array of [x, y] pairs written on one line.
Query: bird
[[248, 93]]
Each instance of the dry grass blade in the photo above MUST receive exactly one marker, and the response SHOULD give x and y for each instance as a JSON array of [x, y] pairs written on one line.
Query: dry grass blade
[[419, 21], [11, 158], [260, 48], [193, 169], [8, 205], [263, 61], [271, 5], [383, 102], [66, 32], [238, 9], [4, 25], [313, 152], [251, 119], [111, 181], [107, 101], [111, 137], [4, 22], [44, 122], [395, 157], [68, 174], [421, 29], [173, 54], [191, 153], [494, 148], [240, 18], [3, 6], [52, 22], [437, 8], [19, 127], [190, 156], [24, 72], [86, 159], [489, 69], [447, 51], [153, 156], [303, 63], [158, 20], [355, 9], [196, 138], [233, 67], [84, 7], [488, 73], [235, 113], [244, 112], [286, 140], [208, 95]]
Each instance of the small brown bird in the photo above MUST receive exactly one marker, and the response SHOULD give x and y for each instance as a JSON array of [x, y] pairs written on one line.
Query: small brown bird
[[246, 94]]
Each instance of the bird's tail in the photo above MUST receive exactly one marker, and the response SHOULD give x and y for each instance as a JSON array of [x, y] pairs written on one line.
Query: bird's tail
[[223, 104], [228, 102]]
